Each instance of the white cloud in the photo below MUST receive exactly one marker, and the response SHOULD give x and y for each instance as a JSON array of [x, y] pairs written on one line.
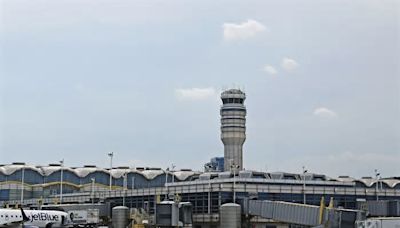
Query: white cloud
[[324, 112], [195, 93], [270, 69], [289, 64], [242, 31]]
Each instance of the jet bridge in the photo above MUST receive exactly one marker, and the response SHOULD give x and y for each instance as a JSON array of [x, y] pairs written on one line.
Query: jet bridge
[[302, 214]]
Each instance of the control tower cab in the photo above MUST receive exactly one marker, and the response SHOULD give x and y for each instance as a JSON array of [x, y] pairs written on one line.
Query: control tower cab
[[233, 128]]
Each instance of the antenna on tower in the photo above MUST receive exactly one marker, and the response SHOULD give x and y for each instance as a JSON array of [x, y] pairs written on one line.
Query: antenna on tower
[[223, 88]]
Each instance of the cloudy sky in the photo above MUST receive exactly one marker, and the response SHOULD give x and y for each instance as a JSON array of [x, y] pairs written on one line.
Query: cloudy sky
[[80, 78]]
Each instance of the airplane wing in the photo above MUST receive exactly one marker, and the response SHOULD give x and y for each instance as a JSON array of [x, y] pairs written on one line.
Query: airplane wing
[[12, 224], [16, 225]]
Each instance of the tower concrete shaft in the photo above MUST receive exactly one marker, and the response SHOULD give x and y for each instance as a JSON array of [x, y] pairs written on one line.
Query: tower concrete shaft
[[233, 128]]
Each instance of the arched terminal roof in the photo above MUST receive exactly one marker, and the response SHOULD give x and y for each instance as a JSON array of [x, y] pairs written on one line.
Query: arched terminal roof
[[392, 183], [10, 169], [181, 175], [148, 173]]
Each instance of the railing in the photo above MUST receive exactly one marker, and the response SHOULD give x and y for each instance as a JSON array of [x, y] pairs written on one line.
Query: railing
[[247, 185]]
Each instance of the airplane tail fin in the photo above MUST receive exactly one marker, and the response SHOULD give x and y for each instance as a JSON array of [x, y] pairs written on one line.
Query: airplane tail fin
[[24, 217]]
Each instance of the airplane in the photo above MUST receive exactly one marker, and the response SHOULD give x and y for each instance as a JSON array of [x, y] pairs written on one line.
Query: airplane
[[11, 218]]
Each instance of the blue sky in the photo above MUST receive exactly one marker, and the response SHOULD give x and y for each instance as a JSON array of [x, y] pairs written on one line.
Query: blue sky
[[142, 79]]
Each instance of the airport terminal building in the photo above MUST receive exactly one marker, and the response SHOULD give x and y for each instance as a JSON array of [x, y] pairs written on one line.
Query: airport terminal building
[[207, 192], [143, 187], [45, 182]]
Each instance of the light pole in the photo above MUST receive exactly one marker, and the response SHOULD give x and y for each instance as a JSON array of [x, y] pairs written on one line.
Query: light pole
[[233, 168], [111, 154], [125, 186], [61, 180], [172, 170], [166, 176], [93, 181], [377, 177], [166, 182], [207, 168], [304, 184], [209, 196], [23, 183]]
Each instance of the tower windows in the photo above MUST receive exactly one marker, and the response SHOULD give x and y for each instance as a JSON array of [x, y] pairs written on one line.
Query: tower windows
[[232, 101]]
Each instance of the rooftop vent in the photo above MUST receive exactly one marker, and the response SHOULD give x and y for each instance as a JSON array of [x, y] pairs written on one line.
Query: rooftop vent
[[224, 175], [186, 170], [18, 163], [123, 167], [56, 165], [205, 176], [89, 166], [344, 177]]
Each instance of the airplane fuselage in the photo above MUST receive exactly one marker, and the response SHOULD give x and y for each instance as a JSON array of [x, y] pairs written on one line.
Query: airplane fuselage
[[35, 218]]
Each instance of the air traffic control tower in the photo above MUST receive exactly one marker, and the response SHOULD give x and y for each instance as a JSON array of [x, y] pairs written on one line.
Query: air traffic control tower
[[233, 127]]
